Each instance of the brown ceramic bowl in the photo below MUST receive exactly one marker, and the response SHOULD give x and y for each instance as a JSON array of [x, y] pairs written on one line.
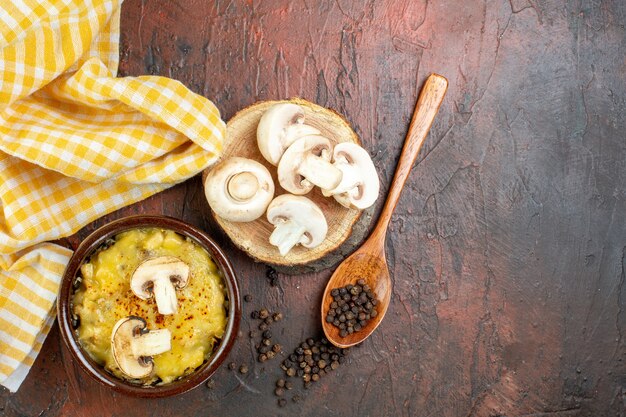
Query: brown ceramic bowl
[[97, 372]]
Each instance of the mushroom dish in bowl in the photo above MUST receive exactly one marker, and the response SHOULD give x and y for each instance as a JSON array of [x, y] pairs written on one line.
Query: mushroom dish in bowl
[[149, 306]]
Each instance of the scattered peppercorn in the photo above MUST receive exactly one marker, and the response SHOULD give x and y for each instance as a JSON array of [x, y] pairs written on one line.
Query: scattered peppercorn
[[272, 276], [247, 298], [282, 402], [280, 383], [263, 313], [277, 316], [243, 369], [352, 307], [210, 384], [311, 360], [232, 366]]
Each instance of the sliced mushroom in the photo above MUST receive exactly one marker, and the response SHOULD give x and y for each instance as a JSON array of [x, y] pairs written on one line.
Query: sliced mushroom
[[160, 276], [239, 189], [359, 183], [307, 163], [280, 126], [133, 346], [297, 220]]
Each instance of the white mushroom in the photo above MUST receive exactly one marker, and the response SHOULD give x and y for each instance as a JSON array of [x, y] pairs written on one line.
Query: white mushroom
[[297, 220], [133, 346], [307, 163], [280, 126], [359, 183], [239, 189], [160, 276]]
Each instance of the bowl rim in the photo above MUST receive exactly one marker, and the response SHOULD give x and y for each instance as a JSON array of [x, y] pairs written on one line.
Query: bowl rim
[[97, 372]]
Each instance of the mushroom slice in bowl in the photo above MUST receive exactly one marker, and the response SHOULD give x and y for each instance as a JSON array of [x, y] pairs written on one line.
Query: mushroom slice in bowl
[[133, 346], [307, 163], [239, 189], [359, 184], [160, 276], [280, 126], [297, 220]]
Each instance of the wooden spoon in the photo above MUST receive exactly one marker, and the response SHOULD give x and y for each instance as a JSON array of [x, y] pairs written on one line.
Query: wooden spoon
[[369, 262]]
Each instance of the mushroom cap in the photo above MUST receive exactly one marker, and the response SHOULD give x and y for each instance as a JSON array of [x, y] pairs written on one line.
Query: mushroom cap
[[297, 172], [141, 281], [124, 338], [239, 189], [279, 127], [302, 211], [359, 185]]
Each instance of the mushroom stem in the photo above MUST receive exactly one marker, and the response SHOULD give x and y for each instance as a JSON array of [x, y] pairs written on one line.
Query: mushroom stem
[[286, 235], [318, 171], [350, 179], [151, 343], [243, 186], [165, 295]]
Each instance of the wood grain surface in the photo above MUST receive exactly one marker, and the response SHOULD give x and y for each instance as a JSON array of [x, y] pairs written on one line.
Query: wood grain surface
[[507, 249]]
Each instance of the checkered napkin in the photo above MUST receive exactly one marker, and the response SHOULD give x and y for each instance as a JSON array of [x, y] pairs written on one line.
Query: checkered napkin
[[76, 143]]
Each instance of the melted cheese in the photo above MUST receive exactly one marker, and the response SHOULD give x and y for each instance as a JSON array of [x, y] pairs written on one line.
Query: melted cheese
[[105, 296]]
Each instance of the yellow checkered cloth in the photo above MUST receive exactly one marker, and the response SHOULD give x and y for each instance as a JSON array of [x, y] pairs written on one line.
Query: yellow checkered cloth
[[76, 143]]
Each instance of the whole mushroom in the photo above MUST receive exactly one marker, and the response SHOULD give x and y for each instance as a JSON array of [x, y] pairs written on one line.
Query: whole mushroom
[[359, 184], [239, 189], [297, 220], [280, 126], [133, 346], [160, 277], [307, 163]]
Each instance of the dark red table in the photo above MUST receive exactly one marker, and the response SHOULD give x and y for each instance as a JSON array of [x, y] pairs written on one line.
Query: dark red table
[[508, 246]]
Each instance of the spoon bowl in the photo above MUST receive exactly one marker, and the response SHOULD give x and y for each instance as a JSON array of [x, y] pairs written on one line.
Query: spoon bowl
[[373, 270], [369, 262]]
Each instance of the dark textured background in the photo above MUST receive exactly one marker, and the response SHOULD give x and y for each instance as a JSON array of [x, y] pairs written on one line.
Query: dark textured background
[[508, 246]]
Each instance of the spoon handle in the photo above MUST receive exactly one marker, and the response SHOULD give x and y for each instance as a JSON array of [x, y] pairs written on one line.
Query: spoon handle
[[428, 103]]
